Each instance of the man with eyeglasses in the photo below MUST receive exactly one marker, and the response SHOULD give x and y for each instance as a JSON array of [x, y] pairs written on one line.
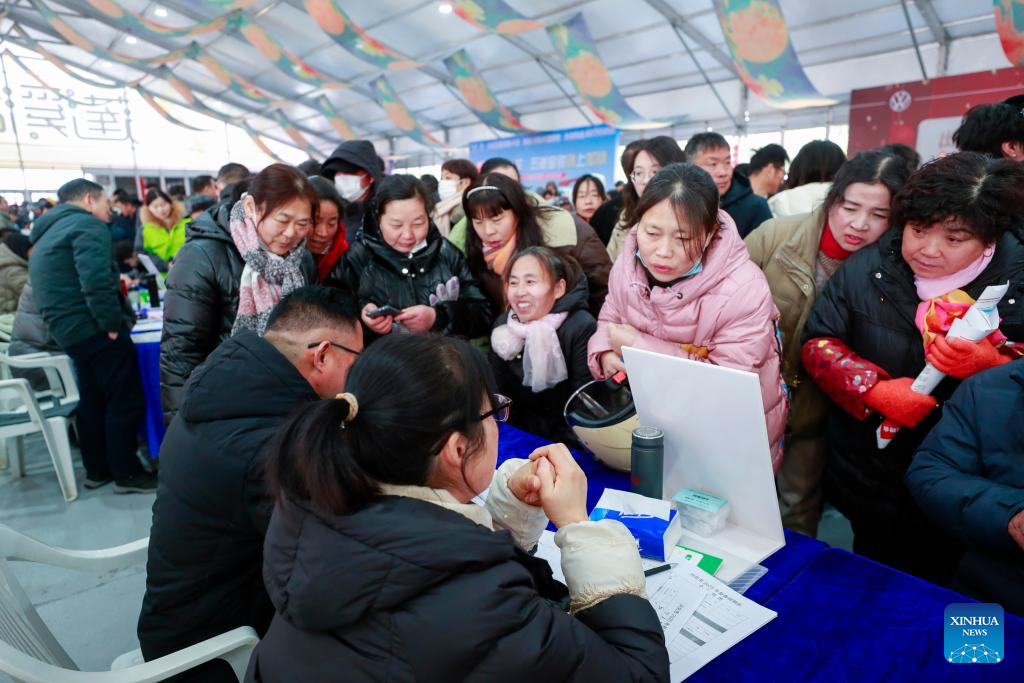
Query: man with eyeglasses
[[204, 574], [710, 151]]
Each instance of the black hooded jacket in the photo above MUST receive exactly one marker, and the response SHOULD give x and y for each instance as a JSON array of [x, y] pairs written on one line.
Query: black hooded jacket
[[404, 590], [349, 157], [746, 208], [542, 413], [212, 509], [376, 273], [201, 300]]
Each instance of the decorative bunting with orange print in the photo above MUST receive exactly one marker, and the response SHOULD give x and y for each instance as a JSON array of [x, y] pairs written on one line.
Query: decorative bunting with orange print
[[339, 124], [1010, 25], [590, 76], [283, 58], [139, 22], [758, 40], [494, 16], [478, 96], [399, 114], [332, 19]]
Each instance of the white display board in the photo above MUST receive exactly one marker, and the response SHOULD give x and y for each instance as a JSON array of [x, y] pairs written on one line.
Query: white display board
[[715, 441]]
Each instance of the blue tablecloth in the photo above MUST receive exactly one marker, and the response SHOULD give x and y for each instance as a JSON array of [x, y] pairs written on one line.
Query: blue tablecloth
[[841, 617], [146, 336]]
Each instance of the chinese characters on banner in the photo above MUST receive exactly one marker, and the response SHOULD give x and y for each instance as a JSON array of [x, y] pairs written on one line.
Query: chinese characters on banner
[[44, 117], [560, 156]]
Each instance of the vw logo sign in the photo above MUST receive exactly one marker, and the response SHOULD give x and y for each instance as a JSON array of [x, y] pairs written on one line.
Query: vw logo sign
[[900, 101]]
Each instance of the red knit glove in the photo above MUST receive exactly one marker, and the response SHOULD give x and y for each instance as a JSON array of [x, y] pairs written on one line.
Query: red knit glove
[[961, 358], [897, 401]]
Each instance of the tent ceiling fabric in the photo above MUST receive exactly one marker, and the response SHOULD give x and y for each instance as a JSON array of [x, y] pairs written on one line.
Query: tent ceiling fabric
[[840, 46]]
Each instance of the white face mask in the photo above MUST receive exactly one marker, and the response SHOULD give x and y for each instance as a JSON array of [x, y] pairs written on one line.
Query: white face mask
[[350, 187], [447, 188]]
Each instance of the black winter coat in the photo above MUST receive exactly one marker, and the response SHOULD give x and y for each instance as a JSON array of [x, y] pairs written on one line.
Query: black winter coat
[[204, 574], [201, 300], [376, 273], [542, 413], [968, 477], [870, 304], [405, 590], [746, 208]]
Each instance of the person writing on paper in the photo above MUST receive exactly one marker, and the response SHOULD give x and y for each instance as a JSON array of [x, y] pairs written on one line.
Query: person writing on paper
[[798, 255], [685, 286], [956, 231], [403, 262], [381, 566], [539, 345]]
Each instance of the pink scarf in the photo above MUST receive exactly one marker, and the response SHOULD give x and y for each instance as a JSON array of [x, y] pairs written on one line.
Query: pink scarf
[[543, 360], [933, 287]]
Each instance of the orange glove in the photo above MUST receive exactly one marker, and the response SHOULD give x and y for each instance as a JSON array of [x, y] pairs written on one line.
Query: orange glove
[[897, 401], [961, 358]]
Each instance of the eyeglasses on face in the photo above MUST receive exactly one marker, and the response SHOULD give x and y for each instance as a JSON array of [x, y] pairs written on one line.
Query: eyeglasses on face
[[501, 406], [313, 345], [643, 176]]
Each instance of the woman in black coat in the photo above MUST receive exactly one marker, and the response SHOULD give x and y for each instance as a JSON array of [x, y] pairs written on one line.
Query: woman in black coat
[[539, 345], [955, 228], [381, 567], [404, 262], [201, 302]]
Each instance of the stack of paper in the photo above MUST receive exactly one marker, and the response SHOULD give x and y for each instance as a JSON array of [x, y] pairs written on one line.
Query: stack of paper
[[701, 616]]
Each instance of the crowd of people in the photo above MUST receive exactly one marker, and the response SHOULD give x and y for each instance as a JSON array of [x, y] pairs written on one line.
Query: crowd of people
[[338, 344]]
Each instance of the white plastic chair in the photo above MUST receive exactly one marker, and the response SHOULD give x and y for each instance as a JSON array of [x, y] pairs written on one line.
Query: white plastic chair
[[63, 387], [27, 417], [29, 651]]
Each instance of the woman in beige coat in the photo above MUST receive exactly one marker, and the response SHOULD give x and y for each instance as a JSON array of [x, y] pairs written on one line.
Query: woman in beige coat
[[798, 255]]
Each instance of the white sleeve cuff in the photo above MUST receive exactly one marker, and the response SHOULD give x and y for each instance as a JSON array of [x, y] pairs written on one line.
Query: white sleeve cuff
[[599, 560], [525, 522]]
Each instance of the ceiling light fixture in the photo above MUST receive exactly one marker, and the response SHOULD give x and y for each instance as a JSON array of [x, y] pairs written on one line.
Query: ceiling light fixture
[[131, 40], [160, 12], [444, 8]]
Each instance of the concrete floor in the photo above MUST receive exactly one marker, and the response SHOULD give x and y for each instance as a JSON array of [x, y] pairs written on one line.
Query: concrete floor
[[92, 615]]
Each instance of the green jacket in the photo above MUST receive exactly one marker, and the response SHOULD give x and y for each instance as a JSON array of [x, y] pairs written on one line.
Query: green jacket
[[163, 242], [75, 280]]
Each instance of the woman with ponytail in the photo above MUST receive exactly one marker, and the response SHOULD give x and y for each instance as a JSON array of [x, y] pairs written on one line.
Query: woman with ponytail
[[381, 566]]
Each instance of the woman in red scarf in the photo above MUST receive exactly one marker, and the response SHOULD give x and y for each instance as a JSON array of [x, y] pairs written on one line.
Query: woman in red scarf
[[327, 240], [798, 255]]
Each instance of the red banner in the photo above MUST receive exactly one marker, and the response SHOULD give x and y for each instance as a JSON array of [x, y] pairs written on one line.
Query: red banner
[[924, 114]]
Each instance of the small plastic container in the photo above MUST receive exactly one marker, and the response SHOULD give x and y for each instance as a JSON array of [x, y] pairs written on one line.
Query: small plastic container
[[701, 512]]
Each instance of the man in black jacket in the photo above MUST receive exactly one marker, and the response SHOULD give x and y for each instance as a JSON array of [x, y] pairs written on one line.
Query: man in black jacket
[[356, 171], [711, 152], [78, 293], [212, 507]]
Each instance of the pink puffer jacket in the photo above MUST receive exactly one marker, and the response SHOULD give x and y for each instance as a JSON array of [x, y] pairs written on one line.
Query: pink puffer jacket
[[724, 315]]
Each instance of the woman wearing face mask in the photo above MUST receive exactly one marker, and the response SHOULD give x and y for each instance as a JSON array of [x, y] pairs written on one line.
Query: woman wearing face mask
[[377, 558], [587, 195], [235, 266], [883, 314], [798, 256], [406, 264], [685, 286], [326, 241], [539, 345], [504, 220], [163, 226], [356, 171], [456, 176], [640, 163]]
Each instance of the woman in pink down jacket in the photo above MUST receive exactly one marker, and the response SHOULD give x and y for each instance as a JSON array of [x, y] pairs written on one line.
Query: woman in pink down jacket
[[685, 286]]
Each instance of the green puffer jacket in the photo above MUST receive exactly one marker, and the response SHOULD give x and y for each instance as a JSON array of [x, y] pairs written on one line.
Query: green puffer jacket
[[74, 276]]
